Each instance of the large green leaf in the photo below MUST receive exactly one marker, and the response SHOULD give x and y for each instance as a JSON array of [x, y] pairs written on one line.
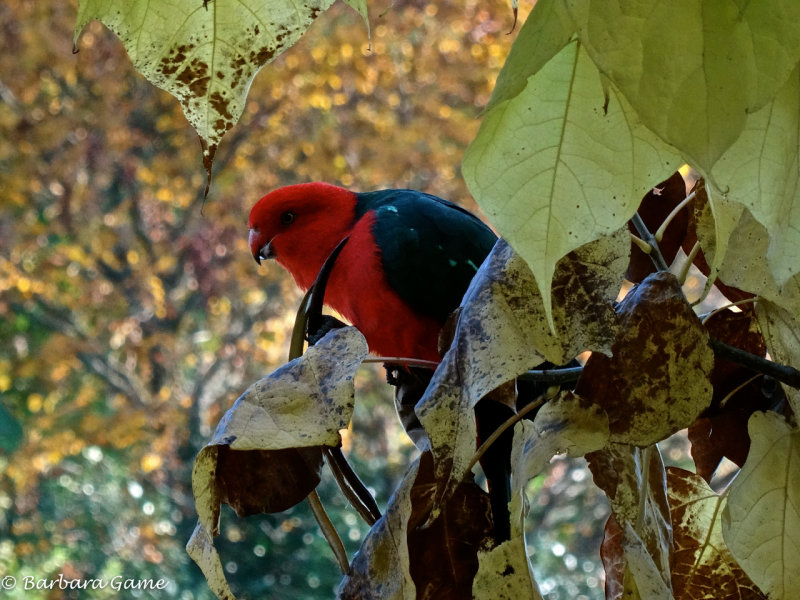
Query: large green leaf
[[546, 31], [762, 172], [553, 168], [205, 53], [761, 522], [693, 70]]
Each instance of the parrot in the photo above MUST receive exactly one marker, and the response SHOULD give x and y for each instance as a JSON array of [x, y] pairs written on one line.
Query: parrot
[[408, 261], [405, 267]]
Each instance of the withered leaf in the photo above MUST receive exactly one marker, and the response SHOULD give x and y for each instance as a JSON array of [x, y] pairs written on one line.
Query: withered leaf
[[380, 570], [201, 550], [408, 555], [502, 331], [303, 403], [266, 452], [504, 573], [721, 430], [444, 553], [702, 565], [613, 558], [657, 381], [266, 481], [568, 424], [634, 481]]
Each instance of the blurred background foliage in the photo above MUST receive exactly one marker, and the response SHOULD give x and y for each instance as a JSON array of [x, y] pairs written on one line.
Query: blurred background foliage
[[132, 315]]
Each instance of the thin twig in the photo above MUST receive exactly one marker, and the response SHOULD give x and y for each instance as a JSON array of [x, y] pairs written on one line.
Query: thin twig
[[730, 394], [510, 422], [408, 362], [329, 531], [644, 233]]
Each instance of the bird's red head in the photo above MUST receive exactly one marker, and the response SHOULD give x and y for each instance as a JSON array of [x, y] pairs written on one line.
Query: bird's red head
[[300, 225]]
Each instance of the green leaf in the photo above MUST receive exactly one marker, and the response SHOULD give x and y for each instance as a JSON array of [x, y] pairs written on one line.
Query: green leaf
[[762, 172], [761, 522], [717, 219], [693, 70], [205, 53], [553, 170], [546, 31], [745, 265], [781, 329]]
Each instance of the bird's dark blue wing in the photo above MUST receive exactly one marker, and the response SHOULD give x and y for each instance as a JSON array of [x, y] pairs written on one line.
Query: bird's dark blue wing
[[430, 248]]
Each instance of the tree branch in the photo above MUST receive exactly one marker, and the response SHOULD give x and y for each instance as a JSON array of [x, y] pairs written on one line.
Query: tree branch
[[553, 376], [645, 235], [783, 373]]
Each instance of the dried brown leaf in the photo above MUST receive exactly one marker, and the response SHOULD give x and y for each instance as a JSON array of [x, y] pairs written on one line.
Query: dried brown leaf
[[613, 558], [407, 555], [721, 431], [266, 481], [657, 381], [444, 553], [502, 332], [702, 565], [634, 481]]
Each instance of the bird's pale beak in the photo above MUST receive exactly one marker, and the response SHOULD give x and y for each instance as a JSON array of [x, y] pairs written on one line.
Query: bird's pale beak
[[259, 251], [265, 252]]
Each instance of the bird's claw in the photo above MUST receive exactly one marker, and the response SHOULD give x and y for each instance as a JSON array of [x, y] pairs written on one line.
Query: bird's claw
[[325, 324]]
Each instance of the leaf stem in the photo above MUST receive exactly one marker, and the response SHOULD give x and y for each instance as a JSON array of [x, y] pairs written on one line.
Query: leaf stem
[[732, 393], [641, 244], [352, 486], [659, 235], [407, 362], [684, 273], [329, 531]]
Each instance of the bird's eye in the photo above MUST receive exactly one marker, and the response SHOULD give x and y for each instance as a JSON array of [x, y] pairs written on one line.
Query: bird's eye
[[287, 218]]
